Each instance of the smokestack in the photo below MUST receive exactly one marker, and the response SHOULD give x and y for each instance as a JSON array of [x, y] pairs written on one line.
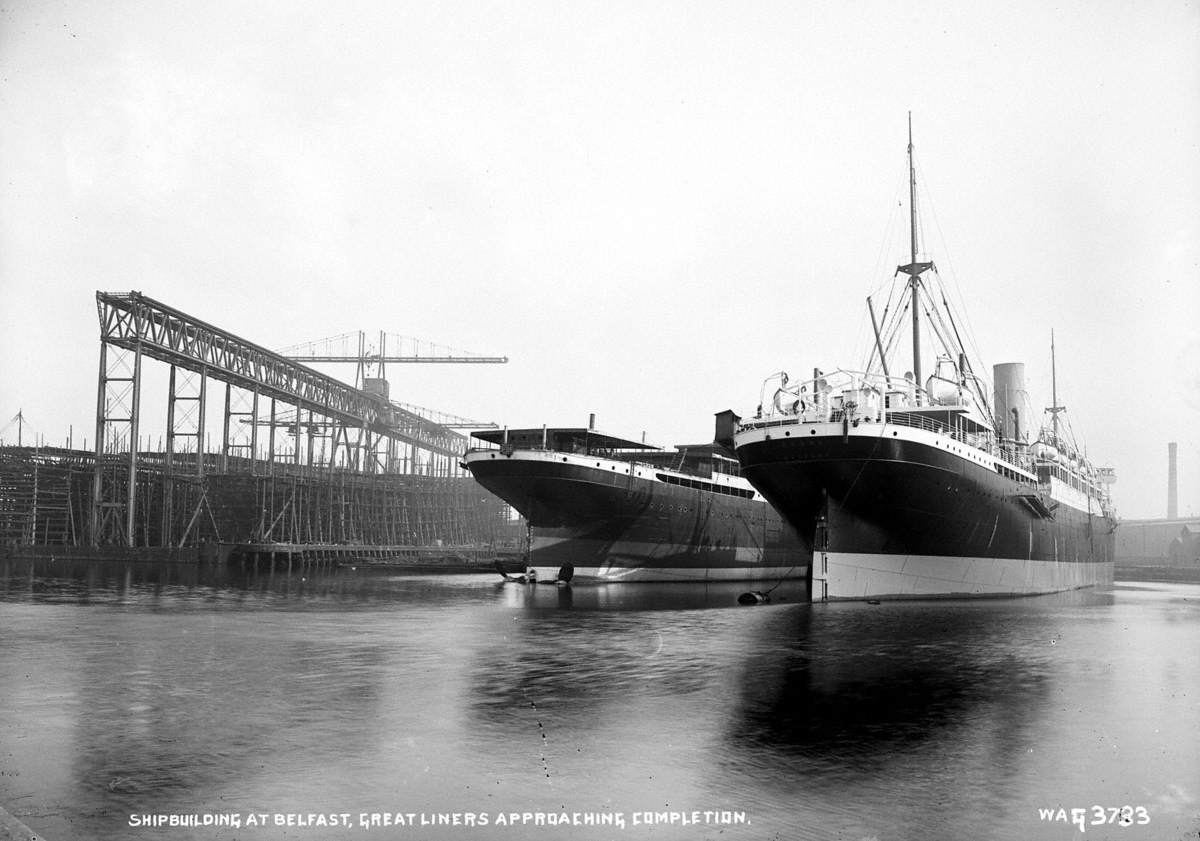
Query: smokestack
[[592, 421], [1008, 379], [1172, 483]]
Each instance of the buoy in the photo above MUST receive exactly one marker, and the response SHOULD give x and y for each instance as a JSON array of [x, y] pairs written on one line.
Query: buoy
[[755, 597]]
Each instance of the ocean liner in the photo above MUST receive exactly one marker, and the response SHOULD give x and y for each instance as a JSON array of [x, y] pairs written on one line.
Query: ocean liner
[[602, 508], [906, 486]]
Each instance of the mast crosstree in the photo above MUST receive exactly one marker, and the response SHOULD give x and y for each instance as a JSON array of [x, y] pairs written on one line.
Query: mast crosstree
[[914, 270]]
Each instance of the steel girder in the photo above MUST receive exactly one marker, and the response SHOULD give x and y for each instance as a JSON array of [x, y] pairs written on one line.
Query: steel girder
[[133, 320]]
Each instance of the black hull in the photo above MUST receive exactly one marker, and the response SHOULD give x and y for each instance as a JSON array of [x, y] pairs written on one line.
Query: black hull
[[881, 499], [614, 526]]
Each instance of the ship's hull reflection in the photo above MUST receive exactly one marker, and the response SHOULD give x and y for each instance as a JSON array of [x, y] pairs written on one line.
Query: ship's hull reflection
[[650, 595]]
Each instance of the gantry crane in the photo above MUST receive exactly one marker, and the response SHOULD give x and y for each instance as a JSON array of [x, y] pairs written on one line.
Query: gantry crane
[[366, 357], [365, 426], [370, 363]]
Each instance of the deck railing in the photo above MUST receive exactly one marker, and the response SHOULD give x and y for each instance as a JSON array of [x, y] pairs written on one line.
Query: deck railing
[[984, 442]]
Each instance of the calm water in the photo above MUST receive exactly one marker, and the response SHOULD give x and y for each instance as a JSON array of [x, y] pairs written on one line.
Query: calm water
[[132, 690]]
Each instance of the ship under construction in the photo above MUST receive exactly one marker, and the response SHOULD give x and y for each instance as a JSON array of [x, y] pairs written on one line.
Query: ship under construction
[[307, 467]]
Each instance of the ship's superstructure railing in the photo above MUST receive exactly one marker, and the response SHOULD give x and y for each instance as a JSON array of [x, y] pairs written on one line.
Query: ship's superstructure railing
[[1058, 463], [984, 441], [579, 449], [700, 463], [945, 408], [897, 418], [588, 452], [871, 398]]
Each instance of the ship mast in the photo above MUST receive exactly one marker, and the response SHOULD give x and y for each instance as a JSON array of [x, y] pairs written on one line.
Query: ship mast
[[1054, 407], [914, 269], [914, 278]]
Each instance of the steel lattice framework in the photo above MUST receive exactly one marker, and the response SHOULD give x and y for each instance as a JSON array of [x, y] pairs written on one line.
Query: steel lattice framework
[[135, 326], [135, 322]]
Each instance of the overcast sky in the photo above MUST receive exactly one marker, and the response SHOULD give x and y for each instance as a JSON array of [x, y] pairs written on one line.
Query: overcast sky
[[648, 207]]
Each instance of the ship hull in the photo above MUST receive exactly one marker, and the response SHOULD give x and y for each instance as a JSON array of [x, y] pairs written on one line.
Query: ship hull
[[860, 575], [612, 521], [892, 512]]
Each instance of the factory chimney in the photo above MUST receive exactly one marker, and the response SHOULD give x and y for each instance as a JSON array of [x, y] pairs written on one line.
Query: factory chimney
[[1172, 483]]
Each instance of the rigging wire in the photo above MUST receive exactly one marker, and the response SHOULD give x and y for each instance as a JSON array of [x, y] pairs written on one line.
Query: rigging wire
[[890, 235], [894, 335], [864, 325], [887, 245], [944, 320], [864, 329], [933, 317], [961, 308]]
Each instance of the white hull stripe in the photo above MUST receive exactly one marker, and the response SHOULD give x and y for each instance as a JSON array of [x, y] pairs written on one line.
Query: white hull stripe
[[851, 575], [639, 470]]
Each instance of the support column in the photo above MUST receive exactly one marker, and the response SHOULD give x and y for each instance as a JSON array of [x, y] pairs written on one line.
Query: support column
[[254, 428], [95, 517], [225, 429], [108, 496], [202, 411], [170, 455], [131, 491], [271, 436]]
